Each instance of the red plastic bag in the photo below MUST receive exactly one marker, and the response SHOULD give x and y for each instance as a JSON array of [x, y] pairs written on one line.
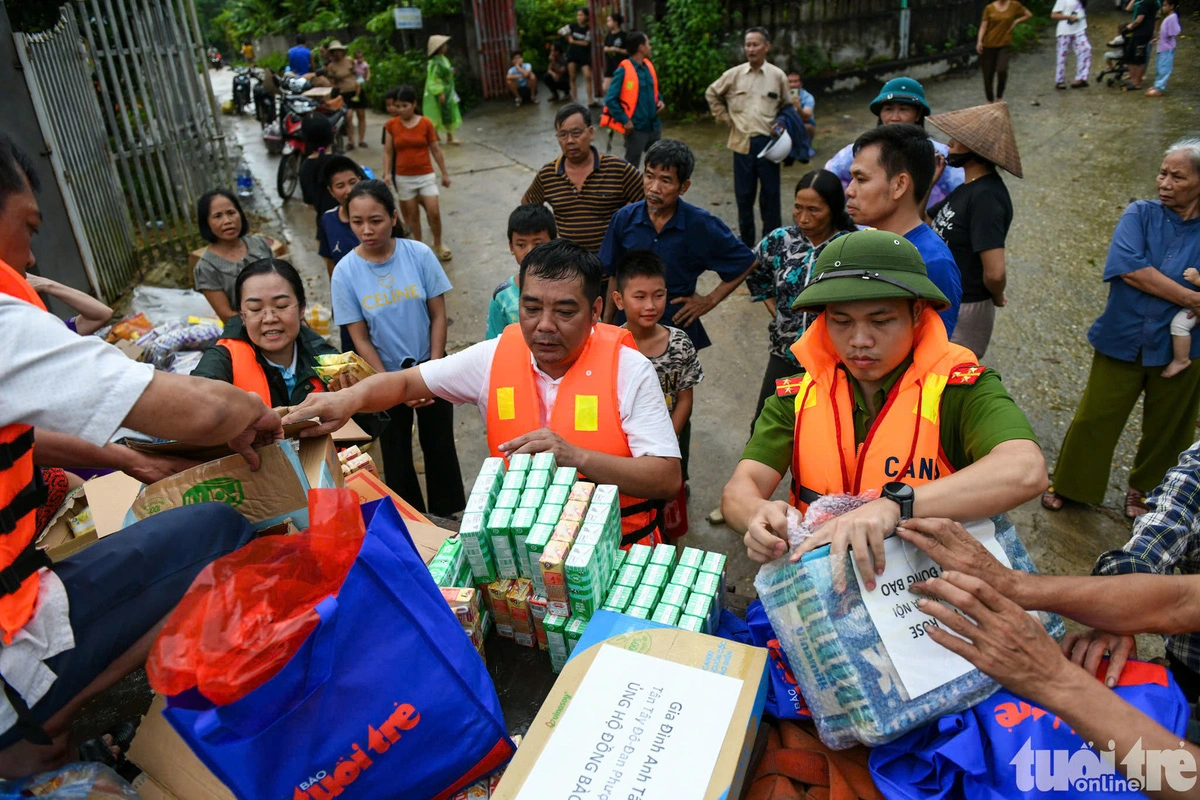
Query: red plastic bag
[[247, 613]]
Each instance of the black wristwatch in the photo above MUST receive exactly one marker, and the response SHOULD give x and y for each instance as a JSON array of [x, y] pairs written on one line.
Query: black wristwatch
[[902, 495]]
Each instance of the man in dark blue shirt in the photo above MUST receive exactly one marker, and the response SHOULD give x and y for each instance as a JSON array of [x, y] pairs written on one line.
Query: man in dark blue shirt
[[894, 168], [633, 101], [300, 57], [687, 238]]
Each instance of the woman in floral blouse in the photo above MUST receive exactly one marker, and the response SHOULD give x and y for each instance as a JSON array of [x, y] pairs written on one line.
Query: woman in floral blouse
[[785, 259]]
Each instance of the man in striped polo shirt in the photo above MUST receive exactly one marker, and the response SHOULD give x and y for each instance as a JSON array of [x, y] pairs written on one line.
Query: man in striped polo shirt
[[583, 187]]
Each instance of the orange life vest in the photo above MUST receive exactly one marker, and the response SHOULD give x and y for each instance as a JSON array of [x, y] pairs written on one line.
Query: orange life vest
[[586, 412], [20, 497], [248, 374], [629, 94], [904, 442]]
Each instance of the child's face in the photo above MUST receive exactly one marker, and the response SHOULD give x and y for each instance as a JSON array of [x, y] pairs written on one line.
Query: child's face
[[340, 185], [390, 105], [643, 299], [405, 110], [521, 243], [581, 17], [794, 81]]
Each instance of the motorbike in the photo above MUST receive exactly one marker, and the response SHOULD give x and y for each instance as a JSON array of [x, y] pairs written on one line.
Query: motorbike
[[215, 61], [242, 79], [286, 136]]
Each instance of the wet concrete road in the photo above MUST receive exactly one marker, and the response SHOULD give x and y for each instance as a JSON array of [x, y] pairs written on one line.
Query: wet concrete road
[[1086, 153]]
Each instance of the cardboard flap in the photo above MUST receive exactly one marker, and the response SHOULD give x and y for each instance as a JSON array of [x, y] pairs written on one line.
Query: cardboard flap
[[213, 452], [350, 433], [170, 763], [428, 538], [110, 497], [368, 488]]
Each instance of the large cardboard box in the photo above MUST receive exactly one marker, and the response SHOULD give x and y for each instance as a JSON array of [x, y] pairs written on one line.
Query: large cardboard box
[[170, 771], [276, 494], [369, 487], [643, 710]]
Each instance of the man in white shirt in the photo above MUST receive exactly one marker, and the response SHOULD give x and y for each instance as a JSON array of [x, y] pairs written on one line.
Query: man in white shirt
[[97, 612], [558, 381]]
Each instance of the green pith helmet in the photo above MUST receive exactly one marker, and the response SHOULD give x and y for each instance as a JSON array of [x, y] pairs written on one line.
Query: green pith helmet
[[901, 90], [869, 265]]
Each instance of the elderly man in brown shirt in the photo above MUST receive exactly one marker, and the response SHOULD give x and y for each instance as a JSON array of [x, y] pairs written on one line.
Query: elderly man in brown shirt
[[747, 98]]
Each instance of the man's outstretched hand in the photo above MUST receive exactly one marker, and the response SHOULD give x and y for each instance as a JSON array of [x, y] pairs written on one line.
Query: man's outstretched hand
[[266, 429]]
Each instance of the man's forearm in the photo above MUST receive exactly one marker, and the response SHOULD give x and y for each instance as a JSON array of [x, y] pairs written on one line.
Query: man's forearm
[[610, 307], [725, 288], [194, 410], [649, 477], [52, 449], [1099, 715], [1165, 604], [1014, 472]]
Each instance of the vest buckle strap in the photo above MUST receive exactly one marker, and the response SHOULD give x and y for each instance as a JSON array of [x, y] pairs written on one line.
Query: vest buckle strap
[[657, 523], [11, 452], [27, 563], [26, 500]]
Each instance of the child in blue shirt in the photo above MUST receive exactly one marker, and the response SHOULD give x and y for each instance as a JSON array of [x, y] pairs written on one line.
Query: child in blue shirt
[[528, 226], [389, 293], [804, 102]]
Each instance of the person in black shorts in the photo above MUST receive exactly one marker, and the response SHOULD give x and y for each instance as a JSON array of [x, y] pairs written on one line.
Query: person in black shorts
[[1138, 34], [614, 46], [579, 53], [555, 76]]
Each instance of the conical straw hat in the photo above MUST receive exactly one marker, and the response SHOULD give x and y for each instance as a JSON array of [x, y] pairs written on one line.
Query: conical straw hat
[[435, 43], [985, 130]]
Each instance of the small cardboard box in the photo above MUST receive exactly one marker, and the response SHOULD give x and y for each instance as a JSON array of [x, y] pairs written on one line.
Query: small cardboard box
[[700, 716], [276, 493], [169, 768], [369, 487]]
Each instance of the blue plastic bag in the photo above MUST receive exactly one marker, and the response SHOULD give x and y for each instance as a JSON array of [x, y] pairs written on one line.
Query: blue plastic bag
[[990, 752], [386, 698], [783, 693], [839, 660]]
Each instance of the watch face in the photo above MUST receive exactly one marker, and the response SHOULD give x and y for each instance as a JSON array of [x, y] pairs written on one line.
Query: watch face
[[897, 490]]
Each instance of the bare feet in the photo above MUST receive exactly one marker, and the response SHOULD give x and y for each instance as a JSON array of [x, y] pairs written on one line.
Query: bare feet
[[1135, 503], [1051, 501], [1176, 367]]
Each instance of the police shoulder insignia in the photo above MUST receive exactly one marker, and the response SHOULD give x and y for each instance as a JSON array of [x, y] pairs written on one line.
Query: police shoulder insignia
[[785, 387], [965, 375]]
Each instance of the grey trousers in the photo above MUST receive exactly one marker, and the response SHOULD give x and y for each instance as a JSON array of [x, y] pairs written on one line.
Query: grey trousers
[[636, 143], [974, 328]]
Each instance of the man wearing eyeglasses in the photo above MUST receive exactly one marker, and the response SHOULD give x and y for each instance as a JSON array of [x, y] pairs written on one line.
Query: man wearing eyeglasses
[[583, 187], [886, 403]]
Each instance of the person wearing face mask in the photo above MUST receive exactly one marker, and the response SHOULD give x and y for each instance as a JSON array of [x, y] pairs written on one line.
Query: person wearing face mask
[[558, 381], [974, 219], [901, 101]]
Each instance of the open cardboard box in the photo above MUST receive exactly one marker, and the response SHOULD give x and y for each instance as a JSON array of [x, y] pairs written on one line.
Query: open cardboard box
[[644, 710], [170, 770]]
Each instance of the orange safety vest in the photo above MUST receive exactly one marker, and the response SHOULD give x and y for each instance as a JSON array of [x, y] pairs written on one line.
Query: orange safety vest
[[586, 412], [248, 374], [629, 94], [904, 442], [20, 498]]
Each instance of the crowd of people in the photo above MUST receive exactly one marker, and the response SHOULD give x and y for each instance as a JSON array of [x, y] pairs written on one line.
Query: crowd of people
[[881, 294]]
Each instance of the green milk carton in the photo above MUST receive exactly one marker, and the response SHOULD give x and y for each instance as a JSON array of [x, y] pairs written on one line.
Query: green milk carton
[[564, 476], [638, 554], [499, 530], [538, 479], [702, 605], [674, 596], [655, 575], [508, 498], [514, 480], [714, 564], [480, 503], [684, 576], [556, 495], [691, 557], [543, 462], [646, 596], [664, 556], [574, 629], [548, 515], [477, 547], [667, 615], [618, 599], [630, 575], [535, 544], [583, 584], [532, 499], [556, 640], [521, 525], [690, 623], [638, 612], [520, 462]]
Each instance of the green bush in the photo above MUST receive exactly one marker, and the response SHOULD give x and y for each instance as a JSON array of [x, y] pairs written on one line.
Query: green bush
[[538, 23], [273, 61], [687, 51]]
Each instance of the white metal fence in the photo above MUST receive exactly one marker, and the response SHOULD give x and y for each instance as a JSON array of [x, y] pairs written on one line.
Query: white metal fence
[[122, 95]]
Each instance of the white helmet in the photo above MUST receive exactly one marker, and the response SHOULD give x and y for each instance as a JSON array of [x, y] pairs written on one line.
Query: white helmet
[[779, 147]]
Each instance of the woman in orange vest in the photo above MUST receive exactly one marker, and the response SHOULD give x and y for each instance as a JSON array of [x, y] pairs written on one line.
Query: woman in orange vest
[[267, 349], [886, 404]]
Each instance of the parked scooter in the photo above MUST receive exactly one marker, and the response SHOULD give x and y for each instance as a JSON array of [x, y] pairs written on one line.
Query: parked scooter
[[287, 136], [241, 90], [215, 61]]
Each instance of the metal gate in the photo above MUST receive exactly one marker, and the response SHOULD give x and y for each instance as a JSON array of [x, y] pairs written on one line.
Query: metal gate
[[496, 35], [130, 73]]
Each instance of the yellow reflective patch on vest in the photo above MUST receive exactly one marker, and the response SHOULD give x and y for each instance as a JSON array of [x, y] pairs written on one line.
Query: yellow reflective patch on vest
[[506, 407], [630, 86], [587, 412], [810, 398], [931, 397]]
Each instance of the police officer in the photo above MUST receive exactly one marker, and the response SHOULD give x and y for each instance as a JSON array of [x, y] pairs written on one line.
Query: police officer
[[885, 403]]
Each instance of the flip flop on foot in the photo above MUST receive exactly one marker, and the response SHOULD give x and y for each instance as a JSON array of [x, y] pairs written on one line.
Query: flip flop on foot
[[1051, 501], [444, 253], [109, 749], [1079, 85], [1060, 86], [1135, 504]]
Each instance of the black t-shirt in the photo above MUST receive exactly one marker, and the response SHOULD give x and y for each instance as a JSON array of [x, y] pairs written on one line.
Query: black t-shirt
[[973, 218], [311, 190], [579, 41], [611, 61]]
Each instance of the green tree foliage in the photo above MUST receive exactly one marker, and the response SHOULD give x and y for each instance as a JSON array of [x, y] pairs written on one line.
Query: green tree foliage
[[538, 23], [687, 51]]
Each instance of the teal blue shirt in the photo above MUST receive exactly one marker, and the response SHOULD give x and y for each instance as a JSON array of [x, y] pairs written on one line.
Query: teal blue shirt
[[504, 309], [645, 113]]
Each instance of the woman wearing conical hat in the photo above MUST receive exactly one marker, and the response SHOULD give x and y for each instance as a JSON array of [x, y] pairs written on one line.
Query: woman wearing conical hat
[[974, 218], [441, 101]]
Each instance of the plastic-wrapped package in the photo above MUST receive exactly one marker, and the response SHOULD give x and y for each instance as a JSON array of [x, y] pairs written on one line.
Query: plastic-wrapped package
[[183, 363], [73, 782], [185, 337], [161, 304], [840, 662]]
